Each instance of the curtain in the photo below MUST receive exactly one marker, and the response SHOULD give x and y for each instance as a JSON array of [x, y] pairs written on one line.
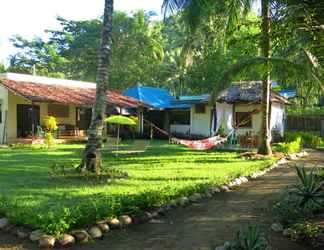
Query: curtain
[[277, 118], [224, 114], [213, 127]]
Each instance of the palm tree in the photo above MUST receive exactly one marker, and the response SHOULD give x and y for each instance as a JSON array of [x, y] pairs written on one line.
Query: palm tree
[[91, 160], [196, 10]]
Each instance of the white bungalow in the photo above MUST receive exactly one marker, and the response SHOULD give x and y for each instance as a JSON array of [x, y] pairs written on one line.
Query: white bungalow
[[236, 108]]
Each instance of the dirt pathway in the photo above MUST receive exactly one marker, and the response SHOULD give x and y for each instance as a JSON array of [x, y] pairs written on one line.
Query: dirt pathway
[[205, 225]]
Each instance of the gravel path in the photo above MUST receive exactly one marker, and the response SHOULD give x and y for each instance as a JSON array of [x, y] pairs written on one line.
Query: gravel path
[[205, 225]]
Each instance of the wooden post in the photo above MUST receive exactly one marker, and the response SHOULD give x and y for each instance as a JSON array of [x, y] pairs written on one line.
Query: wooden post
[[33, 122], [322, 127], [4, 136], [151, 132]]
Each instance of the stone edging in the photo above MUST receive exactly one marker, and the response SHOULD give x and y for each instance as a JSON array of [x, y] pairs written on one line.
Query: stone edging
[[98, 229]]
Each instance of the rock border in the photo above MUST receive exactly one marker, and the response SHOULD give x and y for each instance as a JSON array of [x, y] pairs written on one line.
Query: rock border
[[100, 228]]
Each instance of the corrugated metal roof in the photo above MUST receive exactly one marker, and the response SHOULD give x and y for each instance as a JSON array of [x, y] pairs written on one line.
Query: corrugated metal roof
[[79, 96], [193, 99], [156, 97]]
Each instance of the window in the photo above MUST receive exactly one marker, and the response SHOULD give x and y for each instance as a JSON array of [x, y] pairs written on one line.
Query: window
[[180, 117], [200, 108], [243, 119], [58, 110]]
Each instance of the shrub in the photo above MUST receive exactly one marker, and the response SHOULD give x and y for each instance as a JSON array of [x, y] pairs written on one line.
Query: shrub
[[303, 200], [308, 139], [50, 126], [309, 189], [250, 239], [306, 232], [290, 147], [50, 123]]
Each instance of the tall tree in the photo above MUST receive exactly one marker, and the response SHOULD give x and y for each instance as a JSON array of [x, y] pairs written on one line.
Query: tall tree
[[265, 147], [2, 68], [91, 160], [197, 10]]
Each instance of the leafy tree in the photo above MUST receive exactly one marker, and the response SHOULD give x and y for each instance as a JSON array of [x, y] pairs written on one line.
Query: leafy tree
[[197, 10], [2, 68], [39, 54], [72, 51], [91, 160]]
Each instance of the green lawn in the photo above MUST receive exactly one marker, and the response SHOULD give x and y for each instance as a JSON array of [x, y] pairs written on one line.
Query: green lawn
[[31, 195]]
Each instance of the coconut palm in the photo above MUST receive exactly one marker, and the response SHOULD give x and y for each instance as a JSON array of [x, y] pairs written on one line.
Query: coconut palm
[[196, 10], [92, 154]]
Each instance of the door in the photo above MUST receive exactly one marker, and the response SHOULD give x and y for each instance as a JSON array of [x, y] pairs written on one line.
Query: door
[[27, 120], [83, 118]]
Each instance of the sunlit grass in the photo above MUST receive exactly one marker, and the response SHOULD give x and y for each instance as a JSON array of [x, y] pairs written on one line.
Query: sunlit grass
[[30, 195]]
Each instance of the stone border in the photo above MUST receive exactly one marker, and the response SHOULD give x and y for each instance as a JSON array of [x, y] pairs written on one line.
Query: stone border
[[100, 228]]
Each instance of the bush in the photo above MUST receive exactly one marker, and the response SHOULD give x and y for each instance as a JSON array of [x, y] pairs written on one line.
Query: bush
[[288, 211], [306, 232], [308, 139], [50, 126], [302, 200], [290, 147], [309, 188]]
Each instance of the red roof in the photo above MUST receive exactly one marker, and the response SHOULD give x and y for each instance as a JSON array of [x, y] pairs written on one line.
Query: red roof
[[38, 92]]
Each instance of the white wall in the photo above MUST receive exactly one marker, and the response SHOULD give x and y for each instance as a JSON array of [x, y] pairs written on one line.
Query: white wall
[[256, 118], [200, 123], [180, 128], [4, 105]]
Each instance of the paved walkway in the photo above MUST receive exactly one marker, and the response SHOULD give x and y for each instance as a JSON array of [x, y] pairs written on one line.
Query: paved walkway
[[205, 225]]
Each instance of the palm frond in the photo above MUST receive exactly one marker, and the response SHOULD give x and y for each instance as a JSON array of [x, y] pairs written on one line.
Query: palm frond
[[171, 7]]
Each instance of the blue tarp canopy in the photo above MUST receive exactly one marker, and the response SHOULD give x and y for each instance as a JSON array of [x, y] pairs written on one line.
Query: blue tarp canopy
[[156, 97], [288, 93]]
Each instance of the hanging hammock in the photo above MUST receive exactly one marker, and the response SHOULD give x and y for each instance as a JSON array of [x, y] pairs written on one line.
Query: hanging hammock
[[204, 144]]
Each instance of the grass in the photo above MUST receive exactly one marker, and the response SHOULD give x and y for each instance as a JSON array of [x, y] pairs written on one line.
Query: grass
[[30, 195]]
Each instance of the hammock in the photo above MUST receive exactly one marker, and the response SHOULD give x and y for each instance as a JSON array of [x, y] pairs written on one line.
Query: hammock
[[204, 144]]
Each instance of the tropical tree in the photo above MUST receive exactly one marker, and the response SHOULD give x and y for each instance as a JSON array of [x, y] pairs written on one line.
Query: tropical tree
[[91, 160], [197, 10], [2, 68]]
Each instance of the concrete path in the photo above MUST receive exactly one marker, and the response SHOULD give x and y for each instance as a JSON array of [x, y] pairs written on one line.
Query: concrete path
[[205, 225]]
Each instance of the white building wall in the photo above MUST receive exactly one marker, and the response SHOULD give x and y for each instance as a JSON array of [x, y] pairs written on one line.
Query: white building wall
[[4, 107], [200, 122]]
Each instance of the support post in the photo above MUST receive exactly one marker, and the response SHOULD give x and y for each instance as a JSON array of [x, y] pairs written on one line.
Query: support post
[[33, 121]]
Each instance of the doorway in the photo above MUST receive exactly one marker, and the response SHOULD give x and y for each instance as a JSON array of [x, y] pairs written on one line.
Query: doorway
[[28, 118], [83, 118]]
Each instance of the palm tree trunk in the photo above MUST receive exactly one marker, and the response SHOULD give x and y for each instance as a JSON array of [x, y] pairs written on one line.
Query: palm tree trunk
[[265, 147], [91, 160]]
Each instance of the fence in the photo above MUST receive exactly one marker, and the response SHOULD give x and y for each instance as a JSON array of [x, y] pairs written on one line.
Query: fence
[[306, 124]]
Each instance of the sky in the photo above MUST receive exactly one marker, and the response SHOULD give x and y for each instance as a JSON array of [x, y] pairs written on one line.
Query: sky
[[30, 18]]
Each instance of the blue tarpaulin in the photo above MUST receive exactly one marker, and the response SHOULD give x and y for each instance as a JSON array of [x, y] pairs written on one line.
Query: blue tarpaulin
[[156, 97], [288, 93]]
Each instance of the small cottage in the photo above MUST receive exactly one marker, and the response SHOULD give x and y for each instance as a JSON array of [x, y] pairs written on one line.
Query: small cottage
[[25, 100], [237, 108]]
